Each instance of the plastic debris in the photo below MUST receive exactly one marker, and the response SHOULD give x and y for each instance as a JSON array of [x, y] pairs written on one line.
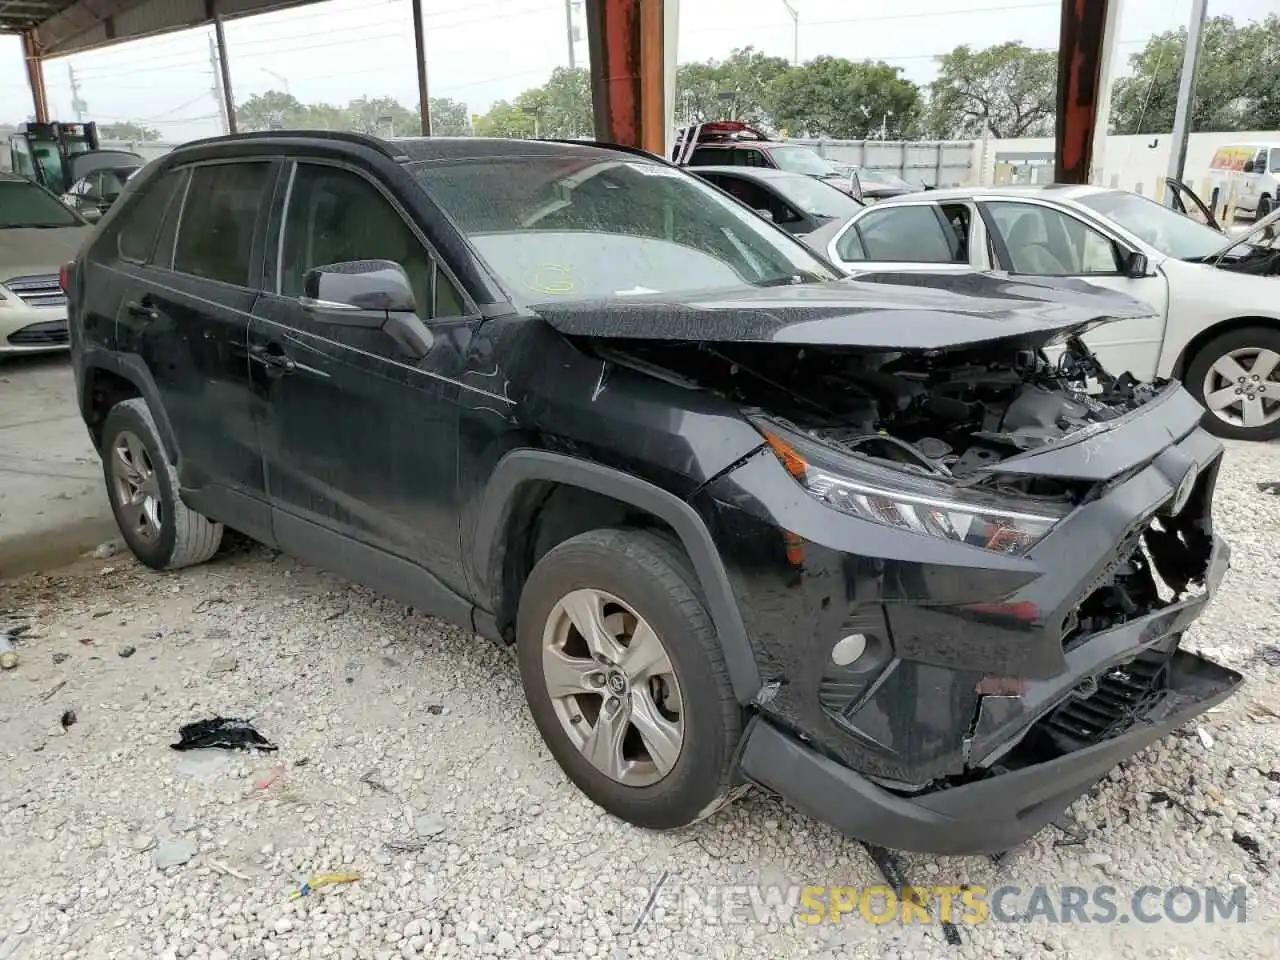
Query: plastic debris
[[322, 880], [221, 732], [1205, 737], [8, 656], [269, 777]]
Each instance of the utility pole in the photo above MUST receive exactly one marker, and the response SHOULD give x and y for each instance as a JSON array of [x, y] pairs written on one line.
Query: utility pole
[[570, 33], [795, 32], [78, 106], [1186, 94], [420, 51], [216, 88]]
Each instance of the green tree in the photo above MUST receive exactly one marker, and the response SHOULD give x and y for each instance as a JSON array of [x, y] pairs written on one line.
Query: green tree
[[131, 132], [384, 116], [834, 97], [272, 110], [449, 118], [739, 88], [1237, 80], [505, 120], [1008, 89]]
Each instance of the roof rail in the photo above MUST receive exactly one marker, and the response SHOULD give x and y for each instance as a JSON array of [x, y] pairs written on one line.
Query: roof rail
[[363, 139], [605, 145]]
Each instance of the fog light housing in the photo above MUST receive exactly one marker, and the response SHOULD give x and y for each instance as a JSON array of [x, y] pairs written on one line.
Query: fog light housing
[[849, 649]]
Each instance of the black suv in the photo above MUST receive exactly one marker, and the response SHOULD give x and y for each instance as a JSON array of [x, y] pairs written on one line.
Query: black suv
[[858, 542]]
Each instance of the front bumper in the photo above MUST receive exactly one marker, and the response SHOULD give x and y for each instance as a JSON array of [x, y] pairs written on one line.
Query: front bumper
[[985, 816], [33, 329]]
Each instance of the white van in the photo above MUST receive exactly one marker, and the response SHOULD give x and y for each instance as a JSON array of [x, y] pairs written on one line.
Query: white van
[[1255, 170]]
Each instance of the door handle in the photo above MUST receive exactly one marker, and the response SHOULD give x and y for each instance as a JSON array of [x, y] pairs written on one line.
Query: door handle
[[141, 311], [276, 362]]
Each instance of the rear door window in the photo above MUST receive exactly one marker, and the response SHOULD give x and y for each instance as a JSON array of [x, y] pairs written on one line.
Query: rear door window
[[1275, 159], [140, 220], [215, 233], [899, 235]]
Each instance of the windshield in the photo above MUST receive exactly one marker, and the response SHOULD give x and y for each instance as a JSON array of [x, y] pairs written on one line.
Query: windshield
[[815, 197], [573, 227], [23, 204], [86, 163], [803, 160], [1173, 234]]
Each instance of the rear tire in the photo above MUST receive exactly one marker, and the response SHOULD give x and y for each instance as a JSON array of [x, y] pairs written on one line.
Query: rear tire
[[1265, 206], [1214, 375], [142, 485], [678, 721]]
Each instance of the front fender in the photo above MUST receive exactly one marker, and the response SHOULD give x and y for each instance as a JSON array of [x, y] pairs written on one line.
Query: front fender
[[520, 467]]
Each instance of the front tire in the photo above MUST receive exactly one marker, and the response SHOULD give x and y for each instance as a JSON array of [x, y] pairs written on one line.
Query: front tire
[[1236, 377], [625, 678], [142, 485], [1265, 206]]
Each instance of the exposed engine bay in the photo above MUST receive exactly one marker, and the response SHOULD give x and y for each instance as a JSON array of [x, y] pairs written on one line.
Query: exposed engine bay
[[950, 412]]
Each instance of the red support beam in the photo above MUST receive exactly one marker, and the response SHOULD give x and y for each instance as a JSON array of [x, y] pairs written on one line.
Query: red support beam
[[625, 38], [1080, 53]]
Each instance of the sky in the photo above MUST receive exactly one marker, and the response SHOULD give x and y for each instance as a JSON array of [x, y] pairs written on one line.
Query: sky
[[488, 50]]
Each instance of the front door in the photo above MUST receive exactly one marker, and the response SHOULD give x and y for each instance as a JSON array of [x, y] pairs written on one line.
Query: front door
[[360, 437], [1039, 240], [185, 312]]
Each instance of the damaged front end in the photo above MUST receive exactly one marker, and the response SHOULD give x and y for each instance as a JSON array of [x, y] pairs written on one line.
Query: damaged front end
[[966, 571]]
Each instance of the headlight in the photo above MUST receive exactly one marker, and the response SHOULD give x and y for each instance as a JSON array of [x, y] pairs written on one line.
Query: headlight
[[908, 501]]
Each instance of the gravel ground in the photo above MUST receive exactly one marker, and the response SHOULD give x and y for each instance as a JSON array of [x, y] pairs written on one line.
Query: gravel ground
[[406, 754]]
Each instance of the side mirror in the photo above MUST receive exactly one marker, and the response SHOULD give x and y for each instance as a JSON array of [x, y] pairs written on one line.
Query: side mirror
[[92, 214], [1135, 264], [375, 294], [1248, 166], [767, 214], [358, 286]]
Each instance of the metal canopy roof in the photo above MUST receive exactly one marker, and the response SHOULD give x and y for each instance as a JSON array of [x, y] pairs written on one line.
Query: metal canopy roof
[[70, 26]]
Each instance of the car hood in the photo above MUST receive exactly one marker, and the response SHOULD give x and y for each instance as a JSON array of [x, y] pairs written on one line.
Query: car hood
[[891, 311], [26, 252]]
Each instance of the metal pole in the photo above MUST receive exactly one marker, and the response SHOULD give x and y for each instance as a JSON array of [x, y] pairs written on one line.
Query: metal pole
[[420, 47], [35, 76], [225, 69], [568, 26], [1186, 93], [795, 32]]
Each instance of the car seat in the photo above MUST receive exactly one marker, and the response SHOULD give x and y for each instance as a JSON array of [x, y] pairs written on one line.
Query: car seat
[[1028, 243]]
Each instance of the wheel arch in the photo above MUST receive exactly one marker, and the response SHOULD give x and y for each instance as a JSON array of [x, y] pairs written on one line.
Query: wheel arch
[[107, 378], [520, 485], [1209, 334]]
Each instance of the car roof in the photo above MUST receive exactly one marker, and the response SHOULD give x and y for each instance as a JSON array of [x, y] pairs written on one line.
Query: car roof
[[763, 173], [1049, 191]]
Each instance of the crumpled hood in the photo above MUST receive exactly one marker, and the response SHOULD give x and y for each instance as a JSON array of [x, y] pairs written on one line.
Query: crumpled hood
[[890, 311], [25, 252]]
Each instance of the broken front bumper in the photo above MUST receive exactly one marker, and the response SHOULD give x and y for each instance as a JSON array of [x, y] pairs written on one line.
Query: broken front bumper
[[984, 816]]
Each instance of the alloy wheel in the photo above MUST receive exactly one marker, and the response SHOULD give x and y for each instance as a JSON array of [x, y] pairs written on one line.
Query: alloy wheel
[[1242, 389], [613, 687], [136, 486]]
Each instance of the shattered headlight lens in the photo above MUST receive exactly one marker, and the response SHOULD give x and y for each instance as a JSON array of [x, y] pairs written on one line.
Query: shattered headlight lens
[[898, 498]]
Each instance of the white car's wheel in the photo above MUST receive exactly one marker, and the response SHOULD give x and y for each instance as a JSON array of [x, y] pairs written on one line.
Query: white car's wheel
[[1237, 378]]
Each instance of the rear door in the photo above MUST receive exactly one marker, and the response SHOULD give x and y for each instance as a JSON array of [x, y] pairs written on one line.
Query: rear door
[[360, 437], [1035, 239], [186, 316], [893, 238]]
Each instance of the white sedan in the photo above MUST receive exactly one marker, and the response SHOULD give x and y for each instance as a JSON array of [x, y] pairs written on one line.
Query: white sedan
[[1215, 299]]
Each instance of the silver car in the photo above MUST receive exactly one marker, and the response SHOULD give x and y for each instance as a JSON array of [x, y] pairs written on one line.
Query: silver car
[[38, 234]]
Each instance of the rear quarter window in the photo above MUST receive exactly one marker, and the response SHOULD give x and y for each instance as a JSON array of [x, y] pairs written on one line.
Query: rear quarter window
[[140, 216]]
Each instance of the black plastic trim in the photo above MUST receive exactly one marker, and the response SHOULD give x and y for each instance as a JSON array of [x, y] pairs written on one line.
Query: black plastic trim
[[523, 466], [133, 369], [986, 816]]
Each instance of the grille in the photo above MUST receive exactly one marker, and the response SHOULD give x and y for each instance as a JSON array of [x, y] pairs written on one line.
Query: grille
[[42, 291], [1125, 694], [47, 333]]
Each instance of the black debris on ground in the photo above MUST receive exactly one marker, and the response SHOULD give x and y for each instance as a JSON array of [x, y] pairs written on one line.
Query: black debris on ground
[[893, 869], [221, 732]]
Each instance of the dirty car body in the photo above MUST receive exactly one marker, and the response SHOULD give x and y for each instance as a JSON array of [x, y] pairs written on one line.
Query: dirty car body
[[948, 577]]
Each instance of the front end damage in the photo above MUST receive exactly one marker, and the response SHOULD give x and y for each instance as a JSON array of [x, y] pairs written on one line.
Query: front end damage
[[966, 572]]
